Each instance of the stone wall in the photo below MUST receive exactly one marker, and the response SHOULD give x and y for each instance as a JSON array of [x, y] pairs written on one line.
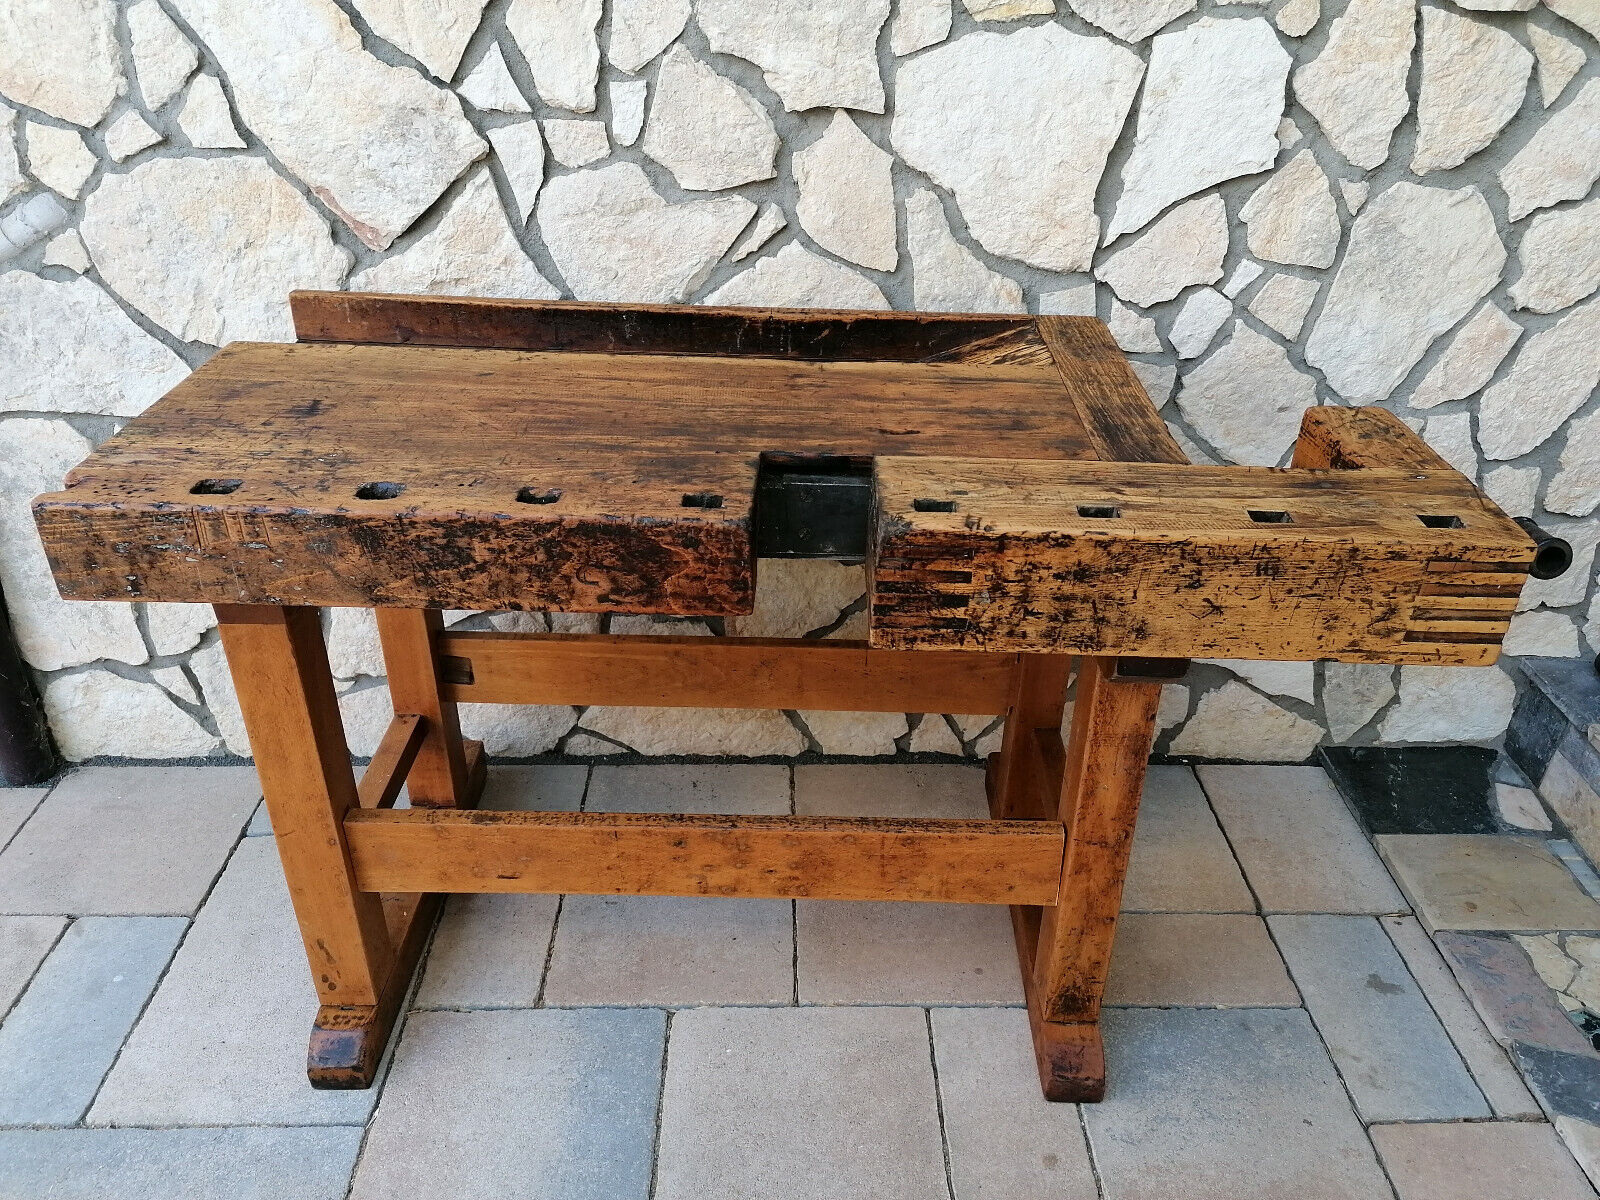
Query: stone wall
[[1274, 205]]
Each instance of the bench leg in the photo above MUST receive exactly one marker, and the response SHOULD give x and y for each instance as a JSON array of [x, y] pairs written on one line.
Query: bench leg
[[1065, 950], [448, 772]]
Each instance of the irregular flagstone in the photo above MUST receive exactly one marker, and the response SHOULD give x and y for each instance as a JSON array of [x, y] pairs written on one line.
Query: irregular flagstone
[[1560, 161], [1275, 678], [59, 158], [1515, 1003], [1513, 489], [1184, 248], [208, 248], [1134, 332], [797, 596], [1241, 277], [1582, 13], [576, 143], [1210, 112], [1559, 60], [1132, 20], [1077, 300], [917, 25], [557, 37], [1418, 260], [490, 88], [435, 33], [982, 114], [1356, 87], [1009, 10], [129, 134], [520, 149], [162, 57], [794, 277], [471, 252], [94, 713], [518, 729], [67, 347], [205, 118], [1450, 704], [627, 98], [35, 454], [1545, 633], [1297, 17], [857, 734], [847, 196], [1355, 194], [1551, 377], [332, 114], [1283, 302], [613, 238], [1470, 360], [1352, 694], [1197, 322], [1236, 722], [1292, 217], [61, 57], [946, 276], [1246, 399], [210, 667], [707, 130], [762, 230], [175, 628], [11, 179], [67, 251], [642, 29], [1451, 436], [1156, 379], [814, 53], [1560, 257], [1474, 77], [1576, 486]]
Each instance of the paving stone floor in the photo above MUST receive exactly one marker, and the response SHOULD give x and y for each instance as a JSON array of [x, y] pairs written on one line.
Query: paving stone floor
[[1294, 1013]]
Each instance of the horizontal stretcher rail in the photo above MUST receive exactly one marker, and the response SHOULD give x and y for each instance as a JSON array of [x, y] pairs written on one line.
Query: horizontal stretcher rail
[[664, 854], [703, 672]]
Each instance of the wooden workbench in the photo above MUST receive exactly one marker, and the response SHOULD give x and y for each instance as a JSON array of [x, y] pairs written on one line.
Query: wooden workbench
[[1020, 504]]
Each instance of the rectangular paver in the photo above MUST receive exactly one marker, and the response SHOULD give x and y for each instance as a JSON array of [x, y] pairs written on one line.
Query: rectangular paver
[[553, 787], [16, 805], [1204, 960], [488, 952], [24, 941], [127, 841], [889, 790], [177, 1164], [870, 952], [1219, 1105], [690, 788], [1484, 881], [1301, 849], [61, 1038], [1395, 1057], [672, 950], [541, 1105], [1180, 861], [1005, 1140], [803, 1103], [1474, 1162], [223, 1041], [1495, 1076]]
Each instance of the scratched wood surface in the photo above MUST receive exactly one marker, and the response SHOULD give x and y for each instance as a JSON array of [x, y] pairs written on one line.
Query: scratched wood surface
[[1379, 564]]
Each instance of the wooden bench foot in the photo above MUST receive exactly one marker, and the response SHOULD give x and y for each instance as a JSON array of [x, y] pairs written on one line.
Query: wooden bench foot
[[348, 1041], [1071, 1058]]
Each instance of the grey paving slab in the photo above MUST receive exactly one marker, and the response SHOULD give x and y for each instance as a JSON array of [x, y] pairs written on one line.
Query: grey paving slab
[[1218, 1105], [24, 941], [1301, 849], [223, 1041], [1180, 860], [670, 951], [1393, 1053], [1582, 1139], [1487, 882], [16, 804], [488, 952], [802, 1103], [690, 788], [1005, 1140], [1206, 960], [177, 1164], [1568, 1085], [260, 822], [552, 787], [61, 1038], [890, 790], [1491, 1069], [1507, 992], [1473, 1162], [871, 952], [540, 1105], [127, 841]]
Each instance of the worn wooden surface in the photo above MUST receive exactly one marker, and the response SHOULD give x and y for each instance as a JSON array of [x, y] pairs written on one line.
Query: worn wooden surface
[[1346, 438], [1169, 561], [701, 672], [439, 777], [385, 776], [670, 854]]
